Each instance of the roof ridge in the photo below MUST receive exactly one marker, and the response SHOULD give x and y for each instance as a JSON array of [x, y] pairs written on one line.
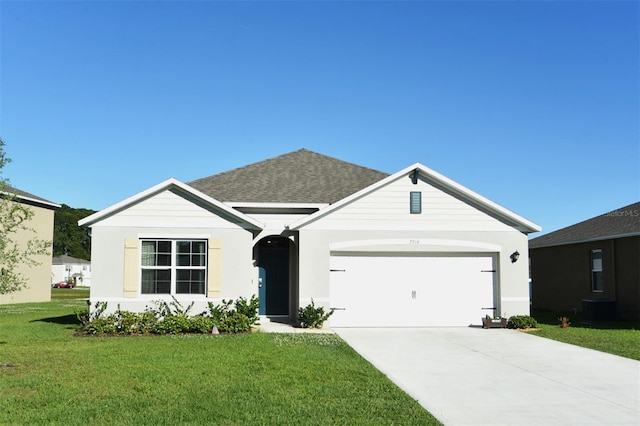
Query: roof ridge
[[300, 176], [342, 161], [270, 159]]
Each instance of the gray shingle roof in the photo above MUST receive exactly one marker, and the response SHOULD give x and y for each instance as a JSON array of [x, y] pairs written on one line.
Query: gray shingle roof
[[619, 222], [65, 260], [301, 176], [26, 196]]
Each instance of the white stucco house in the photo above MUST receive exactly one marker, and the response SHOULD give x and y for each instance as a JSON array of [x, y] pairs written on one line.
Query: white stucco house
[[413, 248], [65, 267]]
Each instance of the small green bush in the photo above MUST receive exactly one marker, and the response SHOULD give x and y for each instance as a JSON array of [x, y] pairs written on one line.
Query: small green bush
[[102, 325], [249, 308], [312, 317], [86, 316], [200, 324], [221, 311], [238, 320], [234, 323], [522, 321], [172, 324]]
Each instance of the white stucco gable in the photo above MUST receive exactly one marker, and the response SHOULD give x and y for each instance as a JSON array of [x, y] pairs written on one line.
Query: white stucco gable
[[171, 203], [446, 205]]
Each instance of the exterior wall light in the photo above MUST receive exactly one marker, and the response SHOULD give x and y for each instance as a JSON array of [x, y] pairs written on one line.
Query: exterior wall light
[[514, 256]]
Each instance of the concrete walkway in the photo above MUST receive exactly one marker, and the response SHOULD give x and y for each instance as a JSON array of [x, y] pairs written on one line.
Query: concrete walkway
[[272, 326], [474, 376]]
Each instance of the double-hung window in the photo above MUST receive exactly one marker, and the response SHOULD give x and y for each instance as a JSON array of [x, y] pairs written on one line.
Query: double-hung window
[[597, 284], [173, 266]]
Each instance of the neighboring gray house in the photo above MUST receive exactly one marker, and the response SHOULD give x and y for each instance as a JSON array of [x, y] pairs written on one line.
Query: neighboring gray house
[[67, 267], [409, 249], [594, 261]]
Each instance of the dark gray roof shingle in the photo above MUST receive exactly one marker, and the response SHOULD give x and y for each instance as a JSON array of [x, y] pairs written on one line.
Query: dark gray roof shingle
[[64, 260], [622, 221], [301, 176], [23, 194]]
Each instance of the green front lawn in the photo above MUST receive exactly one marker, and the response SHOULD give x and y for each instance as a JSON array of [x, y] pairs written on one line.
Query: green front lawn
[[618, 338], [48, 376], [70, 293]]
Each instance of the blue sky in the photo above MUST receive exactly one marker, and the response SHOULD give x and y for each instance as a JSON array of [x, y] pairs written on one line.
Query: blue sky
[[534, 105]]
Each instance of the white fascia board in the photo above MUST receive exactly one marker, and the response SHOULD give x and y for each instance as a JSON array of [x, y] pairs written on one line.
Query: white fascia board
[[522, 224], [163, 186], [31, 200]]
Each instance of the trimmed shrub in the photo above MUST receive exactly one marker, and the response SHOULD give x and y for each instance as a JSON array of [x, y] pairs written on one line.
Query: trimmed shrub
[[221, 311], [521, 321], [172, 324], [312, 317], [249, 308], [102, 325], [173, 318], [200, 324], [234, 323]]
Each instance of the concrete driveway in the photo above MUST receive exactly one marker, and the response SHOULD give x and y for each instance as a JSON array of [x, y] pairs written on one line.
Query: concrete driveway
[[474, 376]]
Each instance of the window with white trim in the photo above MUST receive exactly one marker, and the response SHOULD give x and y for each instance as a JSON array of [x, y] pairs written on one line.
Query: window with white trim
[[597, 284], [173, 266]]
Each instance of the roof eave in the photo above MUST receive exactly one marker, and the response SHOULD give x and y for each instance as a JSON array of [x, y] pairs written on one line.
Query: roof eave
[[242, 204], [30, 200], [585, 240], [503, 214], [163, 186]]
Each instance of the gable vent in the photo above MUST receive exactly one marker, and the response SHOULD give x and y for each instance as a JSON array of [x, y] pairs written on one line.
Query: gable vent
[[415, 202]]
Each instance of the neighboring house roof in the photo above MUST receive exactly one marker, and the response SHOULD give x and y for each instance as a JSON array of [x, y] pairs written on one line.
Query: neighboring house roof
[[622, 222], [67, 260], [27, 197], [301, 176], [441, 182], [176, 185]]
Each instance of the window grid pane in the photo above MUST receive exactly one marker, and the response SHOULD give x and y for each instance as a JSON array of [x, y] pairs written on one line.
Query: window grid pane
[[148, 253], [190, 281], [158, 263], [156, 281]]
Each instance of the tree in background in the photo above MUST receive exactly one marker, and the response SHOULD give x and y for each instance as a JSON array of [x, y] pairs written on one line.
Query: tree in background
[[14, 220], [68, 237]]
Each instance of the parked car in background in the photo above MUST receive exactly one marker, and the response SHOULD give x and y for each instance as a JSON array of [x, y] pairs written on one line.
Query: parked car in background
[[64, 284]]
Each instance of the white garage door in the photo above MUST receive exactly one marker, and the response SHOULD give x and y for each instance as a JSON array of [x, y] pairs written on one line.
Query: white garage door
[[410, 291]]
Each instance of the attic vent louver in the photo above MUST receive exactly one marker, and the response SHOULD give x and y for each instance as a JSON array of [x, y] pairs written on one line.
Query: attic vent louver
[[415, 202]]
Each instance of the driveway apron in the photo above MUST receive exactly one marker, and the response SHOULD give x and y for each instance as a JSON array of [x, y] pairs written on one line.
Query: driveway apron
[[474, 376]]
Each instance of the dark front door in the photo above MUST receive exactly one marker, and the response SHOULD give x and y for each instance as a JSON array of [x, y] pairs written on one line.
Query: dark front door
[[273, 260]]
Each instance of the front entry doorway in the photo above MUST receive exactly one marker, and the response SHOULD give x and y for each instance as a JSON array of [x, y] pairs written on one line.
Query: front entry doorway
[[274, 274]]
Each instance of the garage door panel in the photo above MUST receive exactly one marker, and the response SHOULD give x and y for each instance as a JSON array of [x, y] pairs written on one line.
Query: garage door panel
[[410, 291]]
